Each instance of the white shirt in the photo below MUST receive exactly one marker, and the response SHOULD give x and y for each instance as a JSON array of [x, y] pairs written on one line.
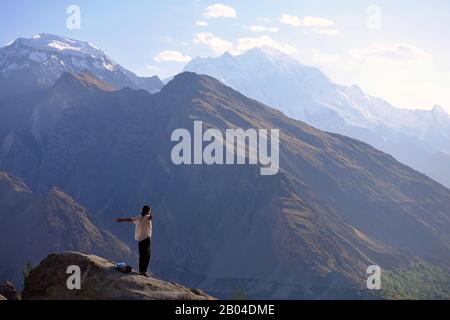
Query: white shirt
[[143, 228]]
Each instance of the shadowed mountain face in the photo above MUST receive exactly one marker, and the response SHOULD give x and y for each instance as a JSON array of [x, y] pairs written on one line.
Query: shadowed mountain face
[[336, 206], [34, 226]]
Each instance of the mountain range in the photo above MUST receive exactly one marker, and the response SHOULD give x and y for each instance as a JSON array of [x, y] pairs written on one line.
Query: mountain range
[[418, 138], [336, 206], [27, 65]]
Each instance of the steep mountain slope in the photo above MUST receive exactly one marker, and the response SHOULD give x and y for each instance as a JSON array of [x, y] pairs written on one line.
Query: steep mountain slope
[[336, 206], [27, 120], [29, 64], [418, 138], [34, 226]]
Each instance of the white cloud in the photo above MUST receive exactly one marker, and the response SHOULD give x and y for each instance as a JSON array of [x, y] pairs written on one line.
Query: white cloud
[[290, 20], [245, 44], [216, 44], [398, 52], [310, 21], [152, 68], [170, 55], [219, 10], [317, 56], [219, 45], [328, 32], [258, 28], [201, 23], [320, 25]]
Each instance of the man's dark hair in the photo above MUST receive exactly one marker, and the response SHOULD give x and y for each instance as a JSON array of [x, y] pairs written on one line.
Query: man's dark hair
[[145, 210]]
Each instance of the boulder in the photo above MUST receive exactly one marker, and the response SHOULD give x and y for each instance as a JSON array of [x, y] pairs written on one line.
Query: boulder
[[8, 291], [100, 280]]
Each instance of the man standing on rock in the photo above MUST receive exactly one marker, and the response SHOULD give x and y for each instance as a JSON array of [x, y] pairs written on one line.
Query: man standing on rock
[[142, 234]]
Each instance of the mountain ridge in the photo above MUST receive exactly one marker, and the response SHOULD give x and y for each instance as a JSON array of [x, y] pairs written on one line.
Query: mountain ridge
[[31, 64], [54, 221], [304, 93]]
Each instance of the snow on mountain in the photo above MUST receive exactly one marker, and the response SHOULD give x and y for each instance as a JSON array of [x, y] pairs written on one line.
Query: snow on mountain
[[305, 93], [281, 82], [44, 57]]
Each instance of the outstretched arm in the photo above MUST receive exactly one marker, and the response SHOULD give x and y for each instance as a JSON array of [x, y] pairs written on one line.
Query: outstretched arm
[[124, 220]]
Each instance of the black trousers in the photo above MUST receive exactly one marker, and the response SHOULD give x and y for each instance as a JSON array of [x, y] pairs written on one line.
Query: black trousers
[[144, 254]]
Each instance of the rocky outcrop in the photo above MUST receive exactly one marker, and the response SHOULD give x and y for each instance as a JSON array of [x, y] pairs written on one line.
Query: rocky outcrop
[[99, 281], [8, 291]]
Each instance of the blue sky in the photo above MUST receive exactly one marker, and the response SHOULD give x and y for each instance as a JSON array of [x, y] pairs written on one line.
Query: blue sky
[[398, 50]]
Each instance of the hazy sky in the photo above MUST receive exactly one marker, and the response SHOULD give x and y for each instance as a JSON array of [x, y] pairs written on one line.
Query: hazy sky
[[398, 50]]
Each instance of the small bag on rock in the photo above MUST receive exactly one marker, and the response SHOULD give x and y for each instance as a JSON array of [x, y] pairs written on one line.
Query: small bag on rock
[[122, 267]]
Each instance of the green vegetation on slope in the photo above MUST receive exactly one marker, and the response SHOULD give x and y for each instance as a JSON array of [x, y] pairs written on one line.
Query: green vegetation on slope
[[420, 281]]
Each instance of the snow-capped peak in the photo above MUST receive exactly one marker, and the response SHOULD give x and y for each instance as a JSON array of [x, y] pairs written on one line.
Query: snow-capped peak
[[226, 55], [305, 93], [439, 110], [266, 51], [54, 43], [44, 57], [56, 53]]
